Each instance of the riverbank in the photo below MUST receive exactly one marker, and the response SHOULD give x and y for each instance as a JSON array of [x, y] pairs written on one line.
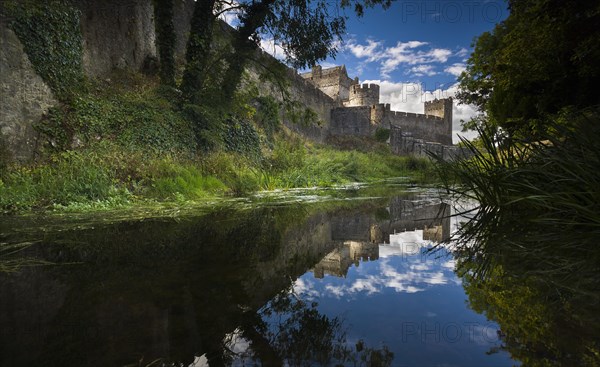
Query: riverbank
[[108, 176], [126, 140]]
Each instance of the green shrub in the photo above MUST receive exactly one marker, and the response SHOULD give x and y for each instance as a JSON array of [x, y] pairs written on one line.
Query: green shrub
[[382, 134], [287, 154], [241, 137], [267, 116], [536, 198], [134, 119]]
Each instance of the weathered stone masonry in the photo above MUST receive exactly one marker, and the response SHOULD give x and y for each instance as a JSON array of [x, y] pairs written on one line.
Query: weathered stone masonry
[[358, 112], [116, 35]]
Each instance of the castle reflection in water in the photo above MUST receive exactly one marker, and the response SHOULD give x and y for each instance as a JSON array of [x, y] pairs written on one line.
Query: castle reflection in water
[[359, 237]]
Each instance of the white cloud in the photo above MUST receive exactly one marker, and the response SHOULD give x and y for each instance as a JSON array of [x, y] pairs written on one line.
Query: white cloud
[[455, 69], [423, 70], [272, 48], [439, 54], [410, 97], [370, 51], [462, 52], [390, 58]]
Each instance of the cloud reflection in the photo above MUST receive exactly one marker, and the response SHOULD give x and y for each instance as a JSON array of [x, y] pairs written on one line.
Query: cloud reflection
[[403, 267]]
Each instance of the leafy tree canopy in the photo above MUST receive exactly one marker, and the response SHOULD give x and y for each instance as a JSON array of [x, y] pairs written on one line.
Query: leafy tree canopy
[[544, 57]]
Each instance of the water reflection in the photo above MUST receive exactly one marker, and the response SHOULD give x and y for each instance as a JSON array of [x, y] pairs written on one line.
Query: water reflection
[[342, 283]]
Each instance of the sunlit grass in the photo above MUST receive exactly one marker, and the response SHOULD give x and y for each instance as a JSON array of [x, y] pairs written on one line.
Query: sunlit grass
[[106, 175]]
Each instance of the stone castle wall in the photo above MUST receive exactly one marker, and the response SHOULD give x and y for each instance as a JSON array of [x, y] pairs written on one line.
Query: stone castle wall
[[363, 95], [362, 113], [351, 121], [24, 97], [427, 127], [121, 34], [116, 34], [405, 144], [312, 97], [333, 81]]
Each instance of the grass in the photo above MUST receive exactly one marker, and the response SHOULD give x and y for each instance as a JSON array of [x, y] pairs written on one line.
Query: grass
[[108, 175]]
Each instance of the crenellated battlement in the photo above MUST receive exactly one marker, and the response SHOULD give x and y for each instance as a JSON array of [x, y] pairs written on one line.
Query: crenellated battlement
[[439, 107], [362, 114], [332, 81], [363, 95]]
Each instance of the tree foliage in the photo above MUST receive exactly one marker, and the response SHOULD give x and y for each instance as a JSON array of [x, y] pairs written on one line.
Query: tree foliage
[[544, 57], [307, 30]]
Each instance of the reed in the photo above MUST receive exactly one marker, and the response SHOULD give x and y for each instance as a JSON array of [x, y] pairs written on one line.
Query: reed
[[538, 202]]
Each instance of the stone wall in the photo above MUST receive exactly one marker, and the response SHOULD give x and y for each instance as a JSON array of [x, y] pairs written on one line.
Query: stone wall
[[307, 94], [403, 143], [302, 91], [117, 34], [363, 95], [351, 121], [24, 97], [333, 81], [442, 108], [427, 127], [121, 34], [182, 16]]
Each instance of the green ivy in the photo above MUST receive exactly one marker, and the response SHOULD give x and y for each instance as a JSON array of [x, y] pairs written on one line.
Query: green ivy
[[267, 115], [382, 134], [51, 35], [135, 120], [241, 137]]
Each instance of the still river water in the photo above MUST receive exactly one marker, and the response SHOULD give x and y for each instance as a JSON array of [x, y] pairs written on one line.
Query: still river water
[[296, 281]]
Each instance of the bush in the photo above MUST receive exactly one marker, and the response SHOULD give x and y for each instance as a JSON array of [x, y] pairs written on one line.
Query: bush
[[241, 137], [287, 154], [382, 134]]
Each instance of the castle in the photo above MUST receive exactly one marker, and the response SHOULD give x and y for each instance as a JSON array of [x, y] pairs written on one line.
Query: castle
[[124, 37], [356, 111]]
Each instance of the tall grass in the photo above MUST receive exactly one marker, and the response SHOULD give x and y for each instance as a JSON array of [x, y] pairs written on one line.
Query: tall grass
[[107, 174]]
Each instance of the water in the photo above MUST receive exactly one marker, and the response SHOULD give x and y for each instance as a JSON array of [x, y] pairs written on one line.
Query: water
[[285, 282]]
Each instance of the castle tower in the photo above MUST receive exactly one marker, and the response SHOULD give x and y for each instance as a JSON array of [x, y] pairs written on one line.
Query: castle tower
[[333, 81], [363, 95], [442, 108]]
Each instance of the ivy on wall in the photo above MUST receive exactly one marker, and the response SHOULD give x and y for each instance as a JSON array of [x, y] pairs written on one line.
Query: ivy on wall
[[51, 35]]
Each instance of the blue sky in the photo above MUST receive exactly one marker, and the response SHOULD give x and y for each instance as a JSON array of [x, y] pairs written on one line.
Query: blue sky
[[415, 50], [417, 41]]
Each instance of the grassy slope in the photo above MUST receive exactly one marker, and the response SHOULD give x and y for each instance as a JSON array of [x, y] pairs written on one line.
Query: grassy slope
[[135, 145]]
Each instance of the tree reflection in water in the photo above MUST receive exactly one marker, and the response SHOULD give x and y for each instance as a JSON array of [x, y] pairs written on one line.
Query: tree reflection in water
[[296, 334], [545, 297]]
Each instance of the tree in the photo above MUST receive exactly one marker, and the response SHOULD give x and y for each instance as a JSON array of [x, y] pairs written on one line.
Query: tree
[[198, 49], [544, 57], [307, 29], [165, 32]]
